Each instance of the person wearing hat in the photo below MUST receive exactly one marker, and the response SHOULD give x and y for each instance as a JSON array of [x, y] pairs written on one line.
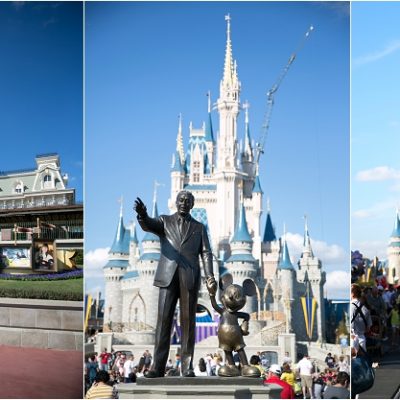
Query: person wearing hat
[[273, 376]]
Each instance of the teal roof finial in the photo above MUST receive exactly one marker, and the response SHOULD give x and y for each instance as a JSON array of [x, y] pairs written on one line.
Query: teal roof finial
[[284, 259], [242, 232], [396, 230]]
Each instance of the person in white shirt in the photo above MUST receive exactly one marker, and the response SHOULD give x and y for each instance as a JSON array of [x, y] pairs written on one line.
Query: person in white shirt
[[305, 369], [128, 369]]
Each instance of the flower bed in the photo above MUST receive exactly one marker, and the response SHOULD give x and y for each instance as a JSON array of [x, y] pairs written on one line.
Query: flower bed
[[44, 277], [55, 286]]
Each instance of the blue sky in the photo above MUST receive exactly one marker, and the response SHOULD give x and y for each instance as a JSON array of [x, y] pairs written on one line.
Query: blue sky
[[148, 62], [375, 175], [41, 81]]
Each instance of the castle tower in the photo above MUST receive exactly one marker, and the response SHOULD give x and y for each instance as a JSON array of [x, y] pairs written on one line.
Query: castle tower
[[210, 142], [228, 178], [134, 253], [284, 282], [247, 156], [270, 249], [241, 264], [256, 202], [310, 268], [393, 252], [114, 271], [146, 303]]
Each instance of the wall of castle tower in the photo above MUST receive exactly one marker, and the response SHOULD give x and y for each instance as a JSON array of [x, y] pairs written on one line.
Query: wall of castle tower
[[113, 296], [393, 263]]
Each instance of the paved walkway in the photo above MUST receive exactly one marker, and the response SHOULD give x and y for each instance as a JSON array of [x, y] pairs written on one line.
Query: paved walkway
[[40, 374], [387, 378]]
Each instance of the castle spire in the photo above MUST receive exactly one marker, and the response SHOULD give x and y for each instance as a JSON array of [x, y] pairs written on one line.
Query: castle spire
[[179, 141], [396, 229], [121, 241], [284, 259], [209, 136], [307, 249], [269, 232], [242, 231], [229, 67], [248, 151]]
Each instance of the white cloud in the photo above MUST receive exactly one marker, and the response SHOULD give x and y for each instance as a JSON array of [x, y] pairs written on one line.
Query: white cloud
[[376, 210], [337, 284], [382, 173], [377, 55], [371, 248], [95, 260], [328, 253]]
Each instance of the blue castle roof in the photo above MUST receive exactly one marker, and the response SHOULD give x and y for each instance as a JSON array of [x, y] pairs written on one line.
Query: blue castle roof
[[284, 259], [241, 258], [117, 264], [257, 186], [269, 232], [131, 275], [150, 257], [121, 240], [396, 230], [176, 164], [151, 237], [242, 232], [209, 137]]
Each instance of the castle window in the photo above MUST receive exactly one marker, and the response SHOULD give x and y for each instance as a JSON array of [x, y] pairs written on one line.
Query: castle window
[[196, 164], [196, 177]]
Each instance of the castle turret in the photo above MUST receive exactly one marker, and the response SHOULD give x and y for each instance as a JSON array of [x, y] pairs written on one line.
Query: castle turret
[[114, 270], [241, 264], [393, 252], [310, 268], [228, 177], [270, 248], [147, 265]]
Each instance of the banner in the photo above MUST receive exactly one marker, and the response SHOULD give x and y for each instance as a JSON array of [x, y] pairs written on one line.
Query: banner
[[309, 305]]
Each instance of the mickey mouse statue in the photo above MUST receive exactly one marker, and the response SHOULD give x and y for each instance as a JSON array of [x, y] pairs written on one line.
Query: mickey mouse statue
[[230, 334]]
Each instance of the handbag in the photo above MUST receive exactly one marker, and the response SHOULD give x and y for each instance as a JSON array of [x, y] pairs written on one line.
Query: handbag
[[362, 375]]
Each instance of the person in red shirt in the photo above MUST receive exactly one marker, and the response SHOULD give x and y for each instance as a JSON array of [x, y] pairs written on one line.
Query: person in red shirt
[[104, 357], [273, 376]]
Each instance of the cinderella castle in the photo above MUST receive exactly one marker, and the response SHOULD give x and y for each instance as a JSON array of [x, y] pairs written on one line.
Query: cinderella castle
[[221, 171]]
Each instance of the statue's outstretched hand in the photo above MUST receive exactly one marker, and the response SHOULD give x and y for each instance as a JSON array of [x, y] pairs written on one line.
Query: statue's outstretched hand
[[139, 207], [211, 285]]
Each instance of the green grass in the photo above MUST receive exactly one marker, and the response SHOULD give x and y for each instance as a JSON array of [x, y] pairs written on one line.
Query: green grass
[[69, 289]]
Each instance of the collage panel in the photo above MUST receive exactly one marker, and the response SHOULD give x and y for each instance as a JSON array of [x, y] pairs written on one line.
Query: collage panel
[[185, 159], [375, 200], [41, 199]]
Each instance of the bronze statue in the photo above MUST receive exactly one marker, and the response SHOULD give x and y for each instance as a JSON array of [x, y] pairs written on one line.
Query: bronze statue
[[230, 334], [183, 240]]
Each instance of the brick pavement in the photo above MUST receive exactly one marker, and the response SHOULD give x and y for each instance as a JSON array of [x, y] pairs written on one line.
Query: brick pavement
[[28, 373]]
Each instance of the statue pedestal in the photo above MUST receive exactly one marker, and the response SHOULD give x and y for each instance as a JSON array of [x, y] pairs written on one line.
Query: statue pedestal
[[200, 387]]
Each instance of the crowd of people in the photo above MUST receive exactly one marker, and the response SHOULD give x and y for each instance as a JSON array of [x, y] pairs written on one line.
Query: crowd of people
[[302, 380], [375, 321]]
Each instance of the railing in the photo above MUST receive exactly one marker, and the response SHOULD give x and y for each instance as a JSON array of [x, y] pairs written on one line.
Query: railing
[[61, 229]]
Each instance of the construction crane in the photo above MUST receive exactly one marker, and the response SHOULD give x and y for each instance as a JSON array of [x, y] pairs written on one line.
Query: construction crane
[[270, 99]]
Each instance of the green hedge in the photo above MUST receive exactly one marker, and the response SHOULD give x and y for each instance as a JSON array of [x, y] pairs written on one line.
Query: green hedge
[[47, 290]]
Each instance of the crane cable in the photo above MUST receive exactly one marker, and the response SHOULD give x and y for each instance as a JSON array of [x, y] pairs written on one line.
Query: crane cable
[[270, 98]]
